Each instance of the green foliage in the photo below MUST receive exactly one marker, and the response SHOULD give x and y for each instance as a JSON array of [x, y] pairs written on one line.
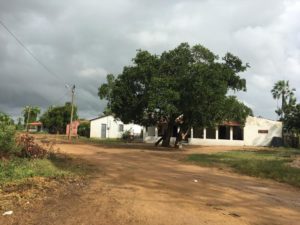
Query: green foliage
[[84, 129], [105, 92], [234, 110], [18, 169], [292, 120], [19, 125], [266, 164], [7, 134], [55, 119], [32, 112], [5, 119], [191, 81], [282, 90], [127, 136]]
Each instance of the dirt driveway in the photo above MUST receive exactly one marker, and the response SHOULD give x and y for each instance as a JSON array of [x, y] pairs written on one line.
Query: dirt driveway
[[138, 186]]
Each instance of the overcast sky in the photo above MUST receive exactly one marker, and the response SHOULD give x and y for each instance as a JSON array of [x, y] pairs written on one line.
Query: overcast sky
[[83, 40]]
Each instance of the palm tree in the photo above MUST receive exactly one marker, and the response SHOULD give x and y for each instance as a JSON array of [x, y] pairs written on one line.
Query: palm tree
[[30, 113], [282, 90]]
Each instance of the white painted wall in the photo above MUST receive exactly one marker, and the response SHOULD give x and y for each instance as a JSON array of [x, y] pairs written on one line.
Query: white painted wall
[[199, 141], [112, 127], [251, 135], [253, 124], [133, 128]]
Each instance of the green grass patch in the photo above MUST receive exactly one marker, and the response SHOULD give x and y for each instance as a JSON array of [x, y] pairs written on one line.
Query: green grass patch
[[271, 164], [18, 169]]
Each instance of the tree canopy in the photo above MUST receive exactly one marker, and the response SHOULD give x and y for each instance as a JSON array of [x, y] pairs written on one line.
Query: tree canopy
[[7, 134], [292, 120], [32, 112], [5, 119], [105, 91], [281, 90], [55, 119], [189, 81]]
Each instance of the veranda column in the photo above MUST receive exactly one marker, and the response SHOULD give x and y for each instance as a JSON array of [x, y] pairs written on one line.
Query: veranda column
[[145, 134], [231, 133]]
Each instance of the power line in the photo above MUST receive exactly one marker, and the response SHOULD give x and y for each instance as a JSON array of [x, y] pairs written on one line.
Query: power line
[[59, 100], [28, 51]]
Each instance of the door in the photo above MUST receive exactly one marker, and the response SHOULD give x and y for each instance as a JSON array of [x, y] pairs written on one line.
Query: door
[[103, 130]]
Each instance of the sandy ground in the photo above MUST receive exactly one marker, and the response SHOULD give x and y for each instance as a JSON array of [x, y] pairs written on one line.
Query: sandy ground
[[138, 186]]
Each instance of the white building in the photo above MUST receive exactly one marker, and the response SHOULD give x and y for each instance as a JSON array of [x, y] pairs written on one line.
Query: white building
[[110, 127], [256, 132]]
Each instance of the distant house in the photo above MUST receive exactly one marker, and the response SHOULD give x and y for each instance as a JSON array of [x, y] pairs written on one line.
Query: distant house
[[35, 126], [111, 127], [256, 132]]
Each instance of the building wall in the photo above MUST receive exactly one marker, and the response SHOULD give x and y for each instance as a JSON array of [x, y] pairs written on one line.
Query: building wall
[[257, 132], [112, 127], [133, 128], [253, 137], [199, 141]]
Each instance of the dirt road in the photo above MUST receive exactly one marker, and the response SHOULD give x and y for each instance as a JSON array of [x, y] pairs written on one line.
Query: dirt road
[[138, 186]]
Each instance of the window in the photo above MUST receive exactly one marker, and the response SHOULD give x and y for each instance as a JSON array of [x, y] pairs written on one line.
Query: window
[[121, 127], [263, 131]]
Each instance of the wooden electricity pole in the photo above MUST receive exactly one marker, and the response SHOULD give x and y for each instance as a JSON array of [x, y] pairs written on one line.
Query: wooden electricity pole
[[72, 109], [28, 115]]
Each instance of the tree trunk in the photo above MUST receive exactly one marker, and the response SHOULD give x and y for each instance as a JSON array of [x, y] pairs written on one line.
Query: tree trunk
[[167, 138], [180, 137]]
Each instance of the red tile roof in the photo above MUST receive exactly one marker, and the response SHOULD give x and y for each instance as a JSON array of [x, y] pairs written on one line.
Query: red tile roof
[[231, 123], [35, 124]]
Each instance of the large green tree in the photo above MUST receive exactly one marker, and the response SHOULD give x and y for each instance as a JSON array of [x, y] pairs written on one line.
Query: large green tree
[[292, 120], [188, 81], [55, 119], [282, 91]]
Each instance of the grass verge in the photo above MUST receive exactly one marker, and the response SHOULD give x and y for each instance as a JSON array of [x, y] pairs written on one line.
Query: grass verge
[[273, 164], [19, 169]]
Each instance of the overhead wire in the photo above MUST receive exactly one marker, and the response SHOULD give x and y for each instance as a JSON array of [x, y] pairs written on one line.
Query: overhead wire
[[28, 51], [59, 100], [35, 58]]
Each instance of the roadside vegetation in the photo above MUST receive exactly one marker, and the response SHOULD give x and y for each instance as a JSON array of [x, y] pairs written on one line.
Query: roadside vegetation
[[273, 164], [18, 170], [21, 157]]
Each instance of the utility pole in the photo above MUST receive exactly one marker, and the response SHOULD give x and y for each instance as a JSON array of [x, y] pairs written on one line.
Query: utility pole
[[72, 109], [28, 115]]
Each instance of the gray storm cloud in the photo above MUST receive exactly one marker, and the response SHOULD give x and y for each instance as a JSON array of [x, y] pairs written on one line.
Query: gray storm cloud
[[82, 41]]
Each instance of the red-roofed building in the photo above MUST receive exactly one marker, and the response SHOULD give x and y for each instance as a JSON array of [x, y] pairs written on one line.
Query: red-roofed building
[[35, 126]]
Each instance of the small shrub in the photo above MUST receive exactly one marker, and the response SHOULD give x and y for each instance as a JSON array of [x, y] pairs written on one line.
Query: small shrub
[[29, 148], [84, 130], [7, 135], [127, 136]]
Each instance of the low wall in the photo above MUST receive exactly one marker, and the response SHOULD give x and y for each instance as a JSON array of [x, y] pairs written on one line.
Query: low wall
[[199, 141]]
